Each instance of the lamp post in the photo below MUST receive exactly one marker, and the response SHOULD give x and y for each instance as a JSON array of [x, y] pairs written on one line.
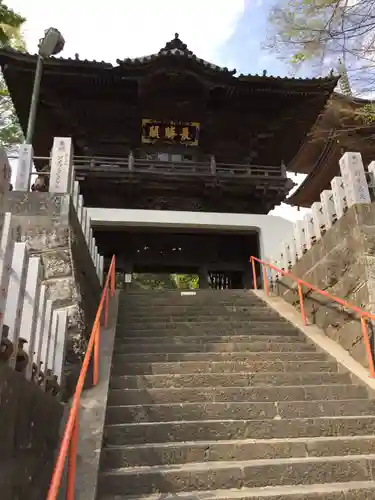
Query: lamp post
[[51, 44]]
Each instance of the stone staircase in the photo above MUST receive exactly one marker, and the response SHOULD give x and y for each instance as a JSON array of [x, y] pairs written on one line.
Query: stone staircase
[[215, 396]]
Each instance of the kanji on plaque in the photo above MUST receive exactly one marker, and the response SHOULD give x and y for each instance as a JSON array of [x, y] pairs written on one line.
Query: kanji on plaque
[[154, 132], [185, 134], [170, 132]]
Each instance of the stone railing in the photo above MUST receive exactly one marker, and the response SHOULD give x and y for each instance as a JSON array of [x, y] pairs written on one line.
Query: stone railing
[[333, 248], [350, 189], [35, 315]]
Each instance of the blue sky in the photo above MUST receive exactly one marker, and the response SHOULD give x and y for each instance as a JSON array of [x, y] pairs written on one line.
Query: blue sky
[[245, 47], [225, 32]]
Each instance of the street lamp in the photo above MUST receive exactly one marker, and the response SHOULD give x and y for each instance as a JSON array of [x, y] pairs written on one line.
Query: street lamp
[[52, 43]]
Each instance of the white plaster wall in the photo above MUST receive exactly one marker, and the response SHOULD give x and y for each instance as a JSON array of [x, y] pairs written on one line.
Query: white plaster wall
[[272, 229]]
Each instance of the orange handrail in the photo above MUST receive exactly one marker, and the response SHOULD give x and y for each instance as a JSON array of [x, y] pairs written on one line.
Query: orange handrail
[[363, 315], [70, 438]]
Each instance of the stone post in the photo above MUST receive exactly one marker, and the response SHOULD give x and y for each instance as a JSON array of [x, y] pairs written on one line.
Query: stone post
[[309, 231], [292, 251], [24, 168], [41, 317], [60, 346], [5, 174], [76, 195], [16, 294], [52, 341], [61, 175], [92, 249], [80, 211], [101, 269], [284, 256], [88, 229], [31, 308], [6, 255], [91, 240], [46, 334], [339, 196], [318, 219], [299, 236], [354, 179], [328, 207]]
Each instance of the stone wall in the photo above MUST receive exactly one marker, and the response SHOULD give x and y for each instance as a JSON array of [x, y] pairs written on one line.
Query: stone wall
[[49, 224], [342, 263], [29, 437]]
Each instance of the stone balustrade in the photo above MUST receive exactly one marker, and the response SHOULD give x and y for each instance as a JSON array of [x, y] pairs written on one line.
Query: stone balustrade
[[351, 188], [34, 315]]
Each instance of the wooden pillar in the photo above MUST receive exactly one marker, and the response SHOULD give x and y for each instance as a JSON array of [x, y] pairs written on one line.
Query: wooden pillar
[[247, 277], [203, 277]]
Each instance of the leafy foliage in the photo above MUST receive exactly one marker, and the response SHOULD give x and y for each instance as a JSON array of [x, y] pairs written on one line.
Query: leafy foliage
[[10, 36], [321, 32], [10, 28], [369, 113], [147, 281]]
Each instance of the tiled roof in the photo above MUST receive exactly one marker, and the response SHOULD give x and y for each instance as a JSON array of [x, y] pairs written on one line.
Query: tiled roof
[[175, 48]]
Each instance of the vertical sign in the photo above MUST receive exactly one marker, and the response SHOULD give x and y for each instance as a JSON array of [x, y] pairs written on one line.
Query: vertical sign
[[61, 165], [24, 168], [354, 177]]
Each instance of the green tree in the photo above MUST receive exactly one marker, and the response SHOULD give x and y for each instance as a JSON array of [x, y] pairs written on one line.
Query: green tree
[[329, 33], [10, 36], [323, 32]]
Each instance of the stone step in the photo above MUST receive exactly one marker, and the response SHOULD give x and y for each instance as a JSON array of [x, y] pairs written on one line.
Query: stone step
[[247, 449], [242, 474], [209, 430], [242, 342], [227, 380], [255, 346], [160, 357], [170, 412], [191, 301], [224, 394], [171, 310], [177, 321], [206, 330], [178, 339], [203, 328], [200, 317], [189, 367], [351, 490]]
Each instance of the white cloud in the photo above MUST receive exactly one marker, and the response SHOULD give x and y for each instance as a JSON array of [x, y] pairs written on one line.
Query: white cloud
[[122, 28]]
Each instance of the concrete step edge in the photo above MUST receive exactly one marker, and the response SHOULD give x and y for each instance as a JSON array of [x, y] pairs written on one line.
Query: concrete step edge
[[188, 444], [264, 462], [226, 403], [232, 374], [283, 388], [228, 421], [266, 492]]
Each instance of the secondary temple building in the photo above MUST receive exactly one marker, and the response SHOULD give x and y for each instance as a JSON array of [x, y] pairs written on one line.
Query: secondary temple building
[[180, 160]]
